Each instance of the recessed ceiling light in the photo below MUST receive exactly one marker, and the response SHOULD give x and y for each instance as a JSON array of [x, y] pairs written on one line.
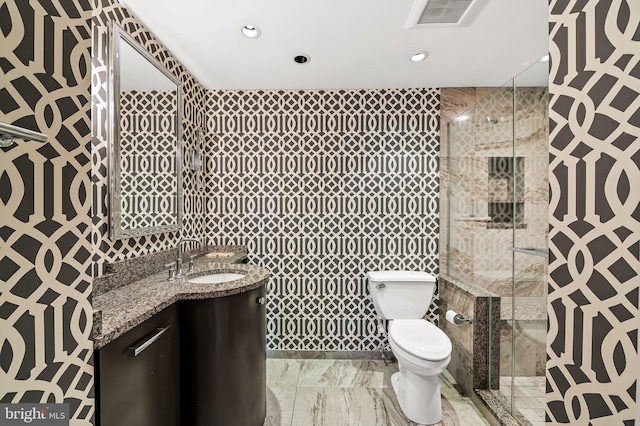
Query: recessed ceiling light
[[545, 58], [302, 59], [461, 118], [251, 31], [419, 56]]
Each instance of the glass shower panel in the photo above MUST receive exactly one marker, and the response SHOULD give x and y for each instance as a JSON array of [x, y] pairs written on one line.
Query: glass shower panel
[[531, 185], [493, 190], [496, 179], [462, 174], [500, 191], [479, 180]]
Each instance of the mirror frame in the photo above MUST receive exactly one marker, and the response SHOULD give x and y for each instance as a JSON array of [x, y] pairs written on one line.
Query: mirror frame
[[119, 35]]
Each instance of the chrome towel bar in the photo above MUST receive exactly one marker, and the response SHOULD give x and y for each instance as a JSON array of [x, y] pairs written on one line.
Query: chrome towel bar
[[9, 132]]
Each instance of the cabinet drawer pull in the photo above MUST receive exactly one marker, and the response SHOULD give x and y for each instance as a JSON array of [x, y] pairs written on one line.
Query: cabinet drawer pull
[[137, 350]]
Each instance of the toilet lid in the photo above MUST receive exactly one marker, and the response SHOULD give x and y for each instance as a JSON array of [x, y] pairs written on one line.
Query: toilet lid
[[421, 339]]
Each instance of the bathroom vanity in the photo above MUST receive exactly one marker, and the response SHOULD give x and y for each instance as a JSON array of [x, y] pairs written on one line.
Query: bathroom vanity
[[223, 342], [172, 353], [138, 374]]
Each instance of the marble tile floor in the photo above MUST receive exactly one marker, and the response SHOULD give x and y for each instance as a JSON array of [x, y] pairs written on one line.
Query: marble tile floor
[[326, 392], [528, 394]]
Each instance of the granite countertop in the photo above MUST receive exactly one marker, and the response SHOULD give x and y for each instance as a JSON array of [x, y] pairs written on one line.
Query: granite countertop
[[123, 308]]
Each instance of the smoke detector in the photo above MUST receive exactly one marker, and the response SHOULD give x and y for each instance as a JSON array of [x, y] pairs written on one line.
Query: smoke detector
[[443, 13]]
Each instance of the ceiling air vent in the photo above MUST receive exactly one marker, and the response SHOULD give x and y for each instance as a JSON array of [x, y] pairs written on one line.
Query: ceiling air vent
[[443, 13]]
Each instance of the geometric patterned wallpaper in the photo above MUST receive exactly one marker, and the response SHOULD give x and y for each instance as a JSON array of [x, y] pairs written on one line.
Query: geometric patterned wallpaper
[[45, 203], [50, 192], [299, 176], [105, 249], [147, 161], [594, 264], [323, 186]]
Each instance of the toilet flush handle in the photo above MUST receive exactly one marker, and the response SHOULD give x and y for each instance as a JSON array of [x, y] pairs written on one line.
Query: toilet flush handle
[[381, 285], [261, 300]]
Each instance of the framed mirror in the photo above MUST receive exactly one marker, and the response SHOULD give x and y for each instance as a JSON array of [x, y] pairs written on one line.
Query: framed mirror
[[145, 176]]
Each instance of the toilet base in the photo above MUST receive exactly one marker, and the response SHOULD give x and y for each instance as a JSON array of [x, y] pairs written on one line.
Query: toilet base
[[418, 396]]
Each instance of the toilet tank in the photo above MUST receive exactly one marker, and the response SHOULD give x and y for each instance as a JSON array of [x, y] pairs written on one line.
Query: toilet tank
[[401, 294]]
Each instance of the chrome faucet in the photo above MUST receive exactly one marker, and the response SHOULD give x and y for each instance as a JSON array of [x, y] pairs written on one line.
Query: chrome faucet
[[179, 253]]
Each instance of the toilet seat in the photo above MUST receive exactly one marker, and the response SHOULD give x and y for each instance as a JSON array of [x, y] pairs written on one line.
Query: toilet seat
[[421, 339]]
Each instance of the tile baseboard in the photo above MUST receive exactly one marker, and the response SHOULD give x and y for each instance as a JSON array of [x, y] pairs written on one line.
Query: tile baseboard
[[366, 355]]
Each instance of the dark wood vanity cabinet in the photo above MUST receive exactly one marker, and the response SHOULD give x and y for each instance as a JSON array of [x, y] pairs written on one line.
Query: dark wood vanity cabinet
[[207, 368], [142, 389], [223, 343]]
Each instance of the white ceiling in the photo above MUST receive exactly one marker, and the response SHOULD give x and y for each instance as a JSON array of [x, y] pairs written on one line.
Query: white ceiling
[[353, 44]]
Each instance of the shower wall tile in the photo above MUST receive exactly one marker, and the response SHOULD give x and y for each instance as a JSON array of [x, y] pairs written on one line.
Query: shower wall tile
[[485, 92], [323, 186], [531, 121], [494, 138], [479, 253], [455, 101], [530, 347], [45, 202]]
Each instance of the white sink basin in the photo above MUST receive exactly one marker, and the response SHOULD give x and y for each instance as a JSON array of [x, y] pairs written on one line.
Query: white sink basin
[[222, 277]]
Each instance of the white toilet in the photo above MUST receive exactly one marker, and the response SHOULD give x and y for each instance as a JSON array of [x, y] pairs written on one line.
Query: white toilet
[[423, 350]]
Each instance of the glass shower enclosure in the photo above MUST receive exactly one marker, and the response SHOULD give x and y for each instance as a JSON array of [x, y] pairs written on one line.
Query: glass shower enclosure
[[497, 201]]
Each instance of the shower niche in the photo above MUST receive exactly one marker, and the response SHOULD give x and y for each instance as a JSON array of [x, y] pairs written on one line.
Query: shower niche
[[506, 192]]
